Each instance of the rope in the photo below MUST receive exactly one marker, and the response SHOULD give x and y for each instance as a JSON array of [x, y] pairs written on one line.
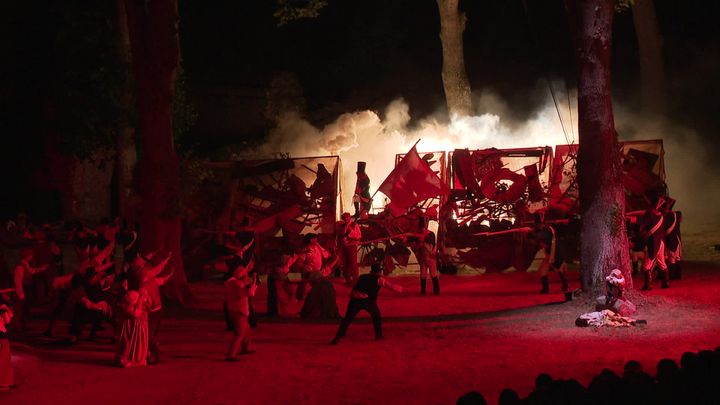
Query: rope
[[572, 126], [535, 37], [557, 108]]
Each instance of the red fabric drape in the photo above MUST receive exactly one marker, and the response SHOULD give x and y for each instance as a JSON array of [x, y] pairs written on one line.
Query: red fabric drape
[[410, 182]]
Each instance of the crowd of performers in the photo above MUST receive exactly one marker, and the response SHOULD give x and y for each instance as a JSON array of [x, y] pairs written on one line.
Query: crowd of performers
[[656, 243], [654, 240], [113, 283]]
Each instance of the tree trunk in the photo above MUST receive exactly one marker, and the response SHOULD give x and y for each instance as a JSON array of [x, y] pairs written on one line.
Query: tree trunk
[[125, 159], [604, 243], [153, 29], [125, 153], [652, 66], [455, 80]]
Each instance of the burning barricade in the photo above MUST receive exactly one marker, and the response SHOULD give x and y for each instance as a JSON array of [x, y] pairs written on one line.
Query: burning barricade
[[485, 218], [482, 206]]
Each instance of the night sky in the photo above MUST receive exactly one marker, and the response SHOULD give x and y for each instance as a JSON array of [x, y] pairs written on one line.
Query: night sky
[[362, 54], [355, 55]]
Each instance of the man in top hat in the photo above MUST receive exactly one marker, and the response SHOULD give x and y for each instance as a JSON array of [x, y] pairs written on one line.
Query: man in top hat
[[362, 199]]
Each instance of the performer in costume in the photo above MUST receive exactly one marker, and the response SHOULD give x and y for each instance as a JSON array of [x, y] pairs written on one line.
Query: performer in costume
[[6, 372], [425, 249], [132, 344], [364, 297], [362, 199], [637, 245], [23, 280], [150, 281], [544, 236], [653, 231], [673, 242], [348, 237], [238, 290]]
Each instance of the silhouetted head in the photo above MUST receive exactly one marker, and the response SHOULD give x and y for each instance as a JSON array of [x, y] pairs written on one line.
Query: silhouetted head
[[471, 398], [667, 370], [508, 397], [688, 361], [543, 380], [632, 367]]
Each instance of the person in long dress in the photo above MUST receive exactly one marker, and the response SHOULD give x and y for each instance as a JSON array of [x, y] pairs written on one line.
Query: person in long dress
[[132, 344], [321, 301], [148, 279], [281, 291]]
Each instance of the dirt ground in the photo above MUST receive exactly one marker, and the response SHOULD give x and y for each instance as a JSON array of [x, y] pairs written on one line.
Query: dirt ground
[[484, 332]]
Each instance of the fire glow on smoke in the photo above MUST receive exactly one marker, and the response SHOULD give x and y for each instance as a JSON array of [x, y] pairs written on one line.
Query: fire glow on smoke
[[365, 136], [376, 139]]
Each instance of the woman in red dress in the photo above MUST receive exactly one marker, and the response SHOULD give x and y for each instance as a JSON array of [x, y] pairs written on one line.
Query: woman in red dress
[[132, 344]]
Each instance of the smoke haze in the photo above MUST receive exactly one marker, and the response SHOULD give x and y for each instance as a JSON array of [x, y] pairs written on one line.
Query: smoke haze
[[376, 138], [690, 174]]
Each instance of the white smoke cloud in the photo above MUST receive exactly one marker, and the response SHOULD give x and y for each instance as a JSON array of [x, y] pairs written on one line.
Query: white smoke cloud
[[376, 139], [689, 170], [365, 136]]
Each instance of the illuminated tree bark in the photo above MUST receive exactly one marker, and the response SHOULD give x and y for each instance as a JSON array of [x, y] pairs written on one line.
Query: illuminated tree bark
[[604, 243], [652, 67], [455, 80], [155, 49]]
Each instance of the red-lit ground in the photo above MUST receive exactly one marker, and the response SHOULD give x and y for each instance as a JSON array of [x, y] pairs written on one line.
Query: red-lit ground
[[484, 332]]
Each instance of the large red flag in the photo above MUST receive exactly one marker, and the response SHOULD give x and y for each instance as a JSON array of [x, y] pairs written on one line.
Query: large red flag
[[410, 182]]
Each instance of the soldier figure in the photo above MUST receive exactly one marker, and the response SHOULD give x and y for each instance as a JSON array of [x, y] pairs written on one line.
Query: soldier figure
[[673, 242], [544, 235], [362, 199], [653, 231]]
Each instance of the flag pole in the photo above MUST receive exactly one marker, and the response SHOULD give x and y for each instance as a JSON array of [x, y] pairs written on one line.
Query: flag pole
[[378, 189]]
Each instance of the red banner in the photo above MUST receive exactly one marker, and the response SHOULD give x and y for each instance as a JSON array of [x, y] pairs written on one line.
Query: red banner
[[411, 182]]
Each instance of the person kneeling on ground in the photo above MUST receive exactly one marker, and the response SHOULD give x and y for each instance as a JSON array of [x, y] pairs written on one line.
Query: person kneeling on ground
[[364, 297]]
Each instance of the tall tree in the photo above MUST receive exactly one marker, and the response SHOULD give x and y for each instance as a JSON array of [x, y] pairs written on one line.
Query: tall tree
[[454, 76], [458, 93], [652, 66], [155, 49], [125, 151], [604, 244]]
